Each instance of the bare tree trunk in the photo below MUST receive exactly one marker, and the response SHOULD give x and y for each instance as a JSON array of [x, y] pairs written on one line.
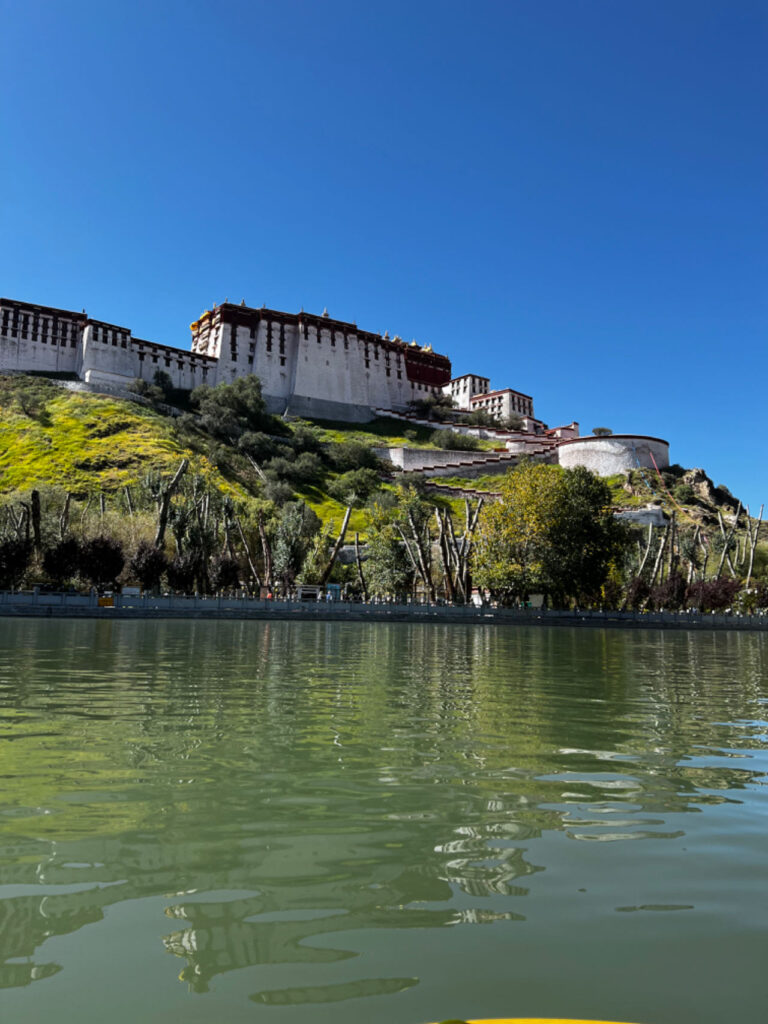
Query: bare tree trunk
[[359, 562], [336, 546], [84, 513], [647, 550], [423, 559], [257, 468], [726, 541], [247, 550], [753, 535], [35, 514], [445, 558], [266, 552], [659, 559], [64, 518], [165, 503], [102, 504], [128, 501]]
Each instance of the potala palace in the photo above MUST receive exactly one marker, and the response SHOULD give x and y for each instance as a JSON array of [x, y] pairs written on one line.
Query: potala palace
[[309, 366]]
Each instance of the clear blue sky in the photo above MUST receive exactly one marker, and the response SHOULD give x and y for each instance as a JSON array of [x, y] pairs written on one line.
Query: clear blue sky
[[566, 195]]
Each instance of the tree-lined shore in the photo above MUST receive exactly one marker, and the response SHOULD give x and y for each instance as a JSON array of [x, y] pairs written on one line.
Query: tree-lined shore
[[235, 514]]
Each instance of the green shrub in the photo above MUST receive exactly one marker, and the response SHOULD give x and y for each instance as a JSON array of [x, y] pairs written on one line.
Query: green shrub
[[453, 441]]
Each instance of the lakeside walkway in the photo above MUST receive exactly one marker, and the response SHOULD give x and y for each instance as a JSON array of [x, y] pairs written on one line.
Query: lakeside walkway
[[88, 606]]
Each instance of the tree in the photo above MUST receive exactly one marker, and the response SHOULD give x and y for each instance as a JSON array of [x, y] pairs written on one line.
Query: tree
[[353, 455], [552, 531], [601, 431], [388, 571], [355, 487], [583, 537], [453, 441], [296, 527], [62, 561], [227, 411], [14, 558], [148, 565], [224, 573], [102, 561], [513, 422], [182, 570], [511, 540]]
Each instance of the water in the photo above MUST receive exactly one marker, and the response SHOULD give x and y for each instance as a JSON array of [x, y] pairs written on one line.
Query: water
[[309, 822]]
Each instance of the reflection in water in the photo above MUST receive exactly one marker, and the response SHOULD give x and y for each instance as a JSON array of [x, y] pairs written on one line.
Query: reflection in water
[[284, 787]]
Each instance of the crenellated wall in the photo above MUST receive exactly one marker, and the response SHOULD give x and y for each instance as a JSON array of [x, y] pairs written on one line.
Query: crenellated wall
[[308, 365]]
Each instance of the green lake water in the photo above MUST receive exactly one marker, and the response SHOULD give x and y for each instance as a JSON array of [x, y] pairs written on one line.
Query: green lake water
[[311, 822]]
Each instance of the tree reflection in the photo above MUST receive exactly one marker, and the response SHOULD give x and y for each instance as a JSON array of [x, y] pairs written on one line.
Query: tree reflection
[[339, 779]]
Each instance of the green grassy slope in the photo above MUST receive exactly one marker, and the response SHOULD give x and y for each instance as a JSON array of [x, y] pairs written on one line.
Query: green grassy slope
[[86, 442]]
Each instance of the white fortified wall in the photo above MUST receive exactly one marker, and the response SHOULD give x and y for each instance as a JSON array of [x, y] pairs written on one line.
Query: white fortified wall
[[618, 453]]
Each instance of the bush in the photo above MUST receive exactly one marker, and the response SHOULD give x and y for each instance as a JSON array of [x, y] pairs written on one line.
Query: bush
[[228, 411], [307, 469], [224, 573], [61, 562], [278, 492], [452, 441], [354, 488], [14, 558], [181, 572], [101, 561], [306, 438], [713, 595], [258, 445], [353, 455], [684, 493], [148, 565]]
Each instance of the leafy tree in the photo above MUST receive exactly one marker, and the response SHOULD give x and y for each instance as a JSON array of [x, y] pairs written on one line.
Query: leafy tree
[[432, 407], [258, 445], [513, 422], [227, 411], [162, 380], [601, 431], [713, 595], [182, 570], [62, 561], [637, 593], [353, 455], [295, 528], [148, 565], [479, 418], [388, 572], [582, 537], [511, 541], [278, 492], [14, 558], [224, 573], [355, 487], [102, 561], [144, 389], [453, 441], [552, 531], [669, 595], [307, 469], [306, 438]]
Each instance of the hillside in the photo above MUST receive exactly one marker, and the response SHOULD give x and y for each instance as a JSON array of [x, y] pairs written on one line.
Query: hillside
[[88, 444]]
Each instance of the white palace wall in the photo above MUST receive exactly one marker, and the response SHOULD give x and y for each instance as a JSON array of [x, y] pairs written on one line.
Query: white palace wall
[[308, 365], [617, 453]]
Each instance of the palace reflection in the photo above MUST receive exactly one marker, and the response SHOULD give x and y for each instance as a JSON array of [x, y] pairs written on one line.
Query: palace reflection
[[294, 784]]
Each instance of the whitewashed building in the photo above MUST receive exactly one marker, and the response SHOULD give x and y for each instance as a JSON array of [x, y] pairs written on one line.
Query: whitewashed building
[[308, 365]]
